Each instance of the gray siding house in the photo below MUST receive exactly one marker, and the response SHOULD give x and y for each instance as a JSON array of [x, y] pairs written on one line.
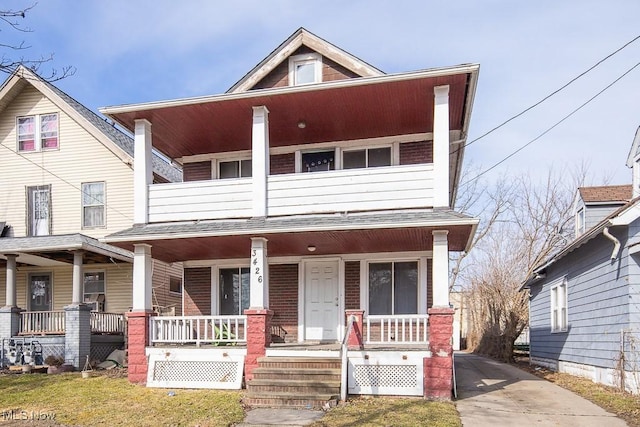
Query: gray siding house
[[584, 309]]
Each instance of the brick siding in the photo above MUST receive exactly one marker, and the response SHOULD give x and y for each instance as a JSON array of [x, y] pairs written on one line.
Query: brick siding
[[197, 171], [412, 153], [197, 291], [282, 163], [283, 298], [352, 285]]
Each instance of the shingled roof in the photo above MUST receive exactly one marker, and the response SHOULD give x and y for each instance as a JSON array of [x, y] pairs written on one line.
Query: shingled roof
[[606, 193]]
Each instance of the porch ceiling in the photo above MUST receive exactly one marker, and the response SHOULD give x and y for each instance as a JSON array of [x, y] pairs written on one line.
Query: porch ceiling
[[335, 111], [329, 235]]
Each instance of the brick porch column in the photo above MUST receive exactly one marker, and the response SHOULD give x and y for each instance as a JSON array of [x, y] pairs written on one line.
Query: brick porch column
[[354, 340], [258, 338], [137, 342], [438, 369]]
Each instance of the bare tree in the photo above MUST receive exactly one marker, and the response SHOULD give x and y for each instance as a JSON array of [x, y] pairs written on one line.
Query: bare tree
[[532, 222], [12, 57]]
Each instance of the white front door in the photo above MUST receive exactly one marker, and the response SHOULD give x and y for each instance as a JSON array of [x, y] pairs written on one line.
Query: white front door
[[321, 301]]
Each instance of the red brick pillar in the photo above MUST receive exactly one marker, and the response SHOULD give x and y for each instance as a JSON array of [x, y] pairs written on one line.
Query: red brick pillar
[[258, 338], [354, 340], [438, 369], [137, 342]]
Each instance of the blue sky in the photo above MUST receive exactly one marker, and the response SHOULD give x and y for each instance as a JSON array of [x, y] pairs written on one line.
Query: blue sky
[[136, 51]]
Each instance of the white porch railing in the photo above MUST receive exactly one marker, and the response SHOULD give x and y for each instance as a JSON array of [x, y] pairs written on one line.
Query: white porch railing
[[42, 322], [107, 323], [397, 329], [198, 330]]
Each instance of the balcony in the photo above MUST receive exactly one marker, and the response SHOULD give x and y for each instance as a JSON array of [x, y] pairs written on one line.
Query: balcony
[[394, 187]]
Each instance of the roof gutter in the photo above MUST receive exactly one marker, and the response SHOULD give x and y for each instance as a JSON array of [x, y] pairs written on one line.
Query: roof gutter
[[616, 243]]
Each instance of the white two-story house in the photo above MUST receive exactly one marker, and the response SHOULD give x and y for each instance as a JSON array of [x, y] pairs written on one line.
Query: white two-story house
[[316, 186], [66, 180]]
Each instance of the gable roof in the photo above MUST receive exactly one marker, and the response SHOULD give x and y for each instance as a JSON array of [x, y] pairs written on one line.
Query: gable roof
[[624, 215], [606, 193], [302, 37], [634, 153], [113, 138]]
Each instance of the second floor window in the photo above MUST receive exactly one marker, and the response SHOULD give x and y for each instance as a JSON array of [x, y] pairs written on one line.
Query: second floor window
[[93, 205], [39, 210], [318, 161], [235, 169], [559, 318], [38, 132], [366, 158]]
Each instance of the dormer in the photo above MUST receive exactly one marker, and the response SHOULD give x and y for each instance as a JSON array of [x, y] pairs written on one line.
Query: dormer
[[304, 59], [593, 204]]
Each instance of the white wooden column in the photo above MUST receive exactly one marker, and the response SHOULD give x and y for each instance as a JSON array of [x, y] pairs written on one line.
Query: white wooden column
[[11, 280], [259, 274], [77, 278], [260, 159], [441, 146], [142, 271], [440, 268], [142, 171]]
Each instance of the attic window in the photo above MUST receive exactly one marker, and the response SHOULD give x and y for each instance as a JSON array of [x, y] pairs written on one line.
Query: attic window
[[305, 69], [580, 223], [39, 132]]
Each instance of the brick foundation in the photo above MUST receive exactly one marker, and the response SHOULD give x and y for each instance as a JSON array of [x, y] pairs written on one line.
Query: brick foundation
[[438, 369], [138, 340], [258, 338]]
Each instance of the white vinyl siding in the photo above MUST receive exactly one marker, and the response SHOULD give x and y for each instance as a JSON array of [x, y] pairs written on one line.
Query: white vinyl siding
[[80, 158]]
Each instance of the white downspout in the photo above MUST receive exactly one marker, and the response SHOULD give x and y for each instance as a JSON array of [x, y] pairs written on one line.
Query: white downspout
[[616, 243]]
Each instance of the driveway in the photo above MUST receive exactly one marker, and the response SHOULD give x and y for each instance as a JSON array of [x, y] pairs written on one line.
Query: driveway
[[496, 394]]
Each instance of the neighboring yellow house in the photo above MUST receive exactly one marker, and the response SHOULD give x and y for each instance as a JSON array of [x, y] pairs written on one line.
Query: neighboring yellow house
[[66, 181]]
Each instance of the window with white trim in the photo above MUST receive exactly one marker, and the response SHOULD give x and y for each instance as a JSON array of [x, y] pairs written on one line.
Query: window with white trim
[[94, 290], [234, 169], [305, 69], [317, 161], [366, 158], [559, 318], [580, 223], [393, 287], [93, 205], [234, 290], [37, 132]]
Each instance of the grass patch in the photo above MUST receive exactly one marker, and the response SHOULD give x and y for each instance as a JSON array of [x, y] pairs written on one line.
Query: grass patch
[[116, 402], [397, 412], [624, 405]]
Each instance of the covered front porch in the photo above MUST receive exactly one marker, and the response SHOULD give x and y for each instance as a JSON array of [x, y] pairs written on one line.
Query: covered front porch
[[55, 288]]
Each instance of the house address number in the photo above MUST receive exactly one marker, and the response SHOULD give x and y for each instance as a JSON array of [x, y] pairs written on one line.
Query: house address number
[[257, 270]]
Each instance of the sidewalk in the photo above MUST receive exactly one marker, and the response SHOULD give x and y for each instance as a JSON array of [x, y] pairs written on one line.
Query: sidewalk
[[495, 394]]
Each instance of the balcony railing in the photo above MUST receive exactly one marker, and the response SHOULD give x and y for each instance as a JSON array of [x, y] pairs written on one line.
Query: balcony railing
[[218, 330], [394, 187], [42, 322], [107, 323], [396, 329]]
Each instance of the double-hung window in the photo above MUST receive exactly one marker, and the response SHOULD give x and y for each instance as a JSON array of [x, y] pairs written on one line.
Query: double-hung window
[[559, 318], [393, 287], [235, 169], [234, 290], [94, 290], [93, 205], [37, 132], [366, 158]]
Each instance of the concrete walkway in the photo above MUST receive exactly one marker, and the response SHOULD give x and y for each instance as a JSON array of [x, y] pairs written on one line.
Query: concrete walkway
[[495, 394]]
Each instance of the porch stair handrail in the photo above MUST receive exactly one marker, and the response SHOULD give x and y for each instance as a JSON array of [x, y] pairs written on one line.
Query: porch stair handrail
[[397, 329], [42, 322], [345, 360], [198, 330]]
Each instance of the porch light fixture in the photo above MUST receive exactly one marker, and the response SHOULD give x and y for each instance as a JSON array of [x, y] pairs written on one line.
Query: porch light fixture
[[311, 248], [302, 124]]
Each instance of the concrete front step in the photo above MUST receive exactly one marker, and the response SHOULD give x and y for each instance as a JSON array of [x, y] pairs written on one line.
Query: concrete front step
[[291, 400], [311, 374], [302, 387]]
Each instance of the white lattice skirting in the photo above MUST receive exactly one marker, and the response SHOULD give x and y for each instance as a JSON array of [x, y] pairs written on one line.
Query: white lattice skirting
[[195, 368], [386, 373]]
